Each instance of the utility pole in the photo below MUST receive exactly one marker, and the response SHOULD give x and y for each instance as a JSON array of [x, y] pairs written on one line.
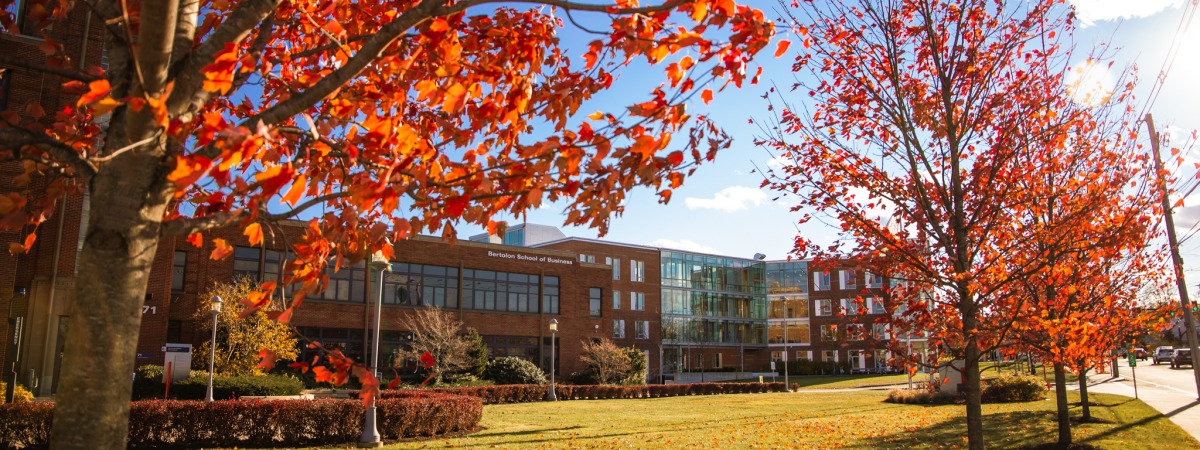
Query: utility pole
[[1177, 260]]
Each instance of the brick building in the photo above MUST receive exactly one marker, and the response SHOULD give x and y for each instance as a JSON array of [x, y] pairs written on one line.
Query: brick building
[[36, 287]]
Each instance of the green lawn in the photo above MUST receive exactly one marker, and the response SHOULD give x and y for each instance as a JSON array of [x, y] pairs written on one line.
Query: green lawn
[[858, 419]]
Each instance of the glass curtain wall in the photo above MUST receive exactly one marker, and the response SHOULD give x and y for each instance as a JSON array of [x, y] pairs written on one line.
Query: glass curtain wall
[[712, 301], [787, 294]]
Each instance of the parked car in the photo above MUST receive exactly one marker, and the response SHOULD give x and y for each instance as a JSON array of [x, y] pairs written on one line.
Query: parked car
[[1163, 354], [1181, 357], [1140, 353]]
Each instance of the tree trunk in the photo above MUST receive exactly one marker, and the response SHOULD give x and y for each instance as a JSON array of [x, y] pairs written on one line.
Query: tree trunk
[[92, 409], [971, 386], [1083, 397], [1060, 396]]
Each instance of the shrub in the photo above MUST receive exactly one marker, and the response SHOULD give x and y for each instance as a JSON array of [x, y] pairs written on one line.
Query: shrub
[[224, 388], [20, 394], [638, 365], [259, 423], [1014, 388], [25, 424], [513, 370], [919, 396]]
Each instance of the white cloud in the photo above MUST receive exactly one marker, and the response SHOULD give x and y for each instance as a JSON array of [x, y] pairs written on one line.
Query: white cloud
[[685, 245], [730, 199], [778, 162], [1092, 11]]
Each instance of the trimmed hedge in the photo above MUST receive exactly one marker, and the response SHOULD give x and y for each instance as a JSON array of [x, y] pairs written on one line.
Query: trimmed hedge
[[224, 388], [260, 423], [522, 393]]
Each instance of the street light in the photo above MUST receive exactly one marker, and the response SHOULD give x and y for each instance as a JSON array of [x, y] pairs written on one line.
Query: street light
[[786, 386], [553, 335], [215, 310], [370, 433]]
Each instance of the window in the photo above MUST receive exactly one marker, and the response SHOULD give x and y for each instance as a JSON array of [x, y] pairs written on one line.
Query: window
[[616, 266], [246, 262], [495, 291], [788, 332], [824, 307], [5, 78], [857, 359], [178, 269], [849, 279], [587, 258], [637, 301], [849, 306], [637, 271], [716, 360], [829, 355], [616, 299], [641, 329], [618, 329], [18, 9], [874, 281], [524, 347], [594, 301], [174, 331], [821, 281], [855, 332], [875, 305], [829, 333], [880, 332]]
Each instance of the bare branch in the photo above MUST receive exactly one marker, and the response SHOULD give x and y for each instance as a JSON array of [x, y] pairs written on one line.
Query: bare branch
[[182, 227]]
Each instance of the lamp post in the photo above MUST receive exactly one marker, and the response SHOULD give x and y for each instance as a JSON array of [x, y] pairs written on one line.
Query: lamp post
[[215, 310], [370, 433], [553, 335], [786, 386]]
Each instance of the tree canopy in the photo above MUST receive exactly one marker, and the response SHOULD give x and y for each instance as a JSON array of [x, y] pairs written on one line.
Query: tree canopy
[[395, 116]]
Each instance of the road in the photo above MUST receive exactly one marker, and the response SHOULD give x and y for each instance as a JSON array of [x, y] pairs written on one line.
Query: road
[[1170, 391]]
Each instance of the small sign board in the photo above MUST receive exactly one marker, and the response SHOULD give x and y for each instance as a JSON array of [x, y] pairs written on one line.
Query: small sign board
[[1132, 360]]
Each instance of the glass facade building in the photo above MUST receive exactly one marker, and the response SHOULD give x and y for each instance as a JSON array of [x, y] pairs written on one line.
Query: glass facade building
[[787, 295], [711, 301]]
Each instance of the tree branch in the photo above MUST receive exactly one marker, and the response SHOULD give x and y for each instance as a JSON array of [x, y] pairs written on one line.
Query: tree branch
[[187, 72], [182, 227], [15, 138]]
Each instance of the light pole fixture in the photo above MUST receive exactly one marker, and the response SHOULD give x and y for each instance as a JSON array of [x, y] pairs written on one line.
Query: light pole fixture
[[553, 336], [215, 310], [787, 387], [370, 433]]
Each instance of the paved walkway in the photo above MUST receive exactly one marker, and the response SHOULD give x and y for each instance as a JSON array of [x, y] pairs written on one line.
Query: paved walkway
[[1179, 405]]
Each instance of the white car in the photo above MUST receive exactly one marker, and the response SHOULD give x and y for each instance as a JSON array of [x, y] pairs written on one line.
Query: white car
[[1163, 354]]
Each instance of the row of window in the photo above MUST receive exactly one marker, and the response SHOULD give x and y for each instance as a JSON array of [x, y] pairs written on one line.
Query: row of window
[[847, 280], [796, 332], [413, 284], [680, 330], [713, 304], [637, 301], [848, 306], [713, 273], [637, 269], [641, 329]]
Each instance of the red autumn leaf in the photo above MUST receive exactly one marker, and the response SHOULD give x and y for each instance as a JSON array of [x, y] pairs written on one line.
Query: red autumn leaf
[[454, 98], [218, 76], [97, 90], [455, 206], [782, 47], [427, 359], [221, 249], [254, 233], [266, 360], [706, 95]]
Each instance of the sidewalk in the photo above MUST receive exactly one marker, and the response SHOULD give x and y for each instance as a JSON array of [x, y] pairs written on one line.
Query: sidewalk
[[1178, 405]]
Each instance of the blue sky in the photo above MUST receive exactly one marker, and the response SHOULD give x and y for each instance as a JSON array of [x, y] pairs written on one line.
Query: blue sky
[[721, 209]]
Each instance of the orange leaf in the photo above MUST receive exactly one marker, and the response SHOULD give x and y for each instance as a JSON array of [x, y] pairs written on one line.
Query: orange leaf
[[782, 47], [197, 239], [254, 232], [707, 96], [96, 90], [218, 76], [596, 115], [699, 10], [29, 240], [222, 249], [454, 99], [439, 24], [266, 359], [104, 106], [293, 194]]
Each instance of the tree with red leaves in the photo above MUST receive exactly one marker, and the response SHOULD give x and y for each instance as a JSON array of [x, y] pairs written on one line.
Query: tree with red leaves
[[922, 126], [399, 117]]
